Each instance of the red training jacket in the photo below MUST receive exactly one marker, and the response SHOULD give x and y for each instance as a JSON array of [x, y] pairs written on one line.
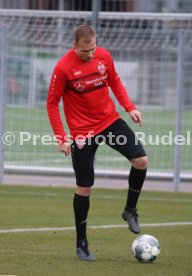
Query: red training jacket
[[83, 87]]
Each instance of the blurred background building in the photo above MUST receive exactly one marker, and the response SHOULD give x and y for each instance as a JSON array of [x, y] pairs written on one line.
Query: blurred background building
[[179, 6]]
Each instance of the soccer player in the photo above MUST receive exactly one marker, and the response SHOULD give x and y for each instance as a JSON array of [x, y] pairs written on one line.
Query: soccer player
[[82, 78]]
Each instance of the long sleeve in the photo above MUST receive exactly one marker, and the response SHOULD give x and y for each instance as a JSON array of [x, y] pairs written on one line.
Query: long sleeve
[[118, 88], [56, 90]]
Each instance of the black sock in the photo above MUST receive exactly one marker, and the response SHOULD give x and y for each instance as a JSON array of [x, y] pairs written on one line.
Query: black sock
[[136, 180], [81, 208]]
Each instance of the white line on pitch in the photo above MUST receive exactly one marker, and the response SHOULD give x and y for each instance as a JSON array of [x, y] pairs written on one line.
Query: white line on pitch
[[21, 230]]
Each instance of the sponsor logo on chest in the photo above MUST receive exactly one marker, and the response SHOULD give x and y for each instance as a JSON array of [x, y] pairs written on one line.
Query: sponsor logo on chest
[[79, 86], [96, 78]]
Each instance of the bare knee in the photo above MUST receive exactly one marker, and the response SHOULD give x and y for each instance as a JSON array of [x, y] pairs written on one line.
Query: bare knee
[[140, 163], [83, 191]]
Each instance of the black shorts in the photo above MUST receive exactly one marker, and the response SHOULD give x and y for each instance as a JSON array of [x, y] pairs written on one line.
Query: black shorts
[[118, 136]]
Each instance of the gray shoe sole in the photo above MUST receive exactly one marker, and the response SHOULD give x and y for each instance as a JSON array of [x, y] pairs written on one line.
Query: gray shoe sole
[[133, 227], [83, 256]]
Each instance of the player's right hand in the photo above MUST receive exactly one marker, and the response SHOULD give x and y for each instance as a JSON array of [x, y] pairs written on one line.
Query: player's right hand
[[65, 148]]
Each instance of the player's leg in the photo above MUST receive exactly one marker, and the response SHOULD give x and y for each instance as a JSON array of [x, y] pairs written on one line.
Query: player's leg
[[136, 179], [126, 142], [83, 158]]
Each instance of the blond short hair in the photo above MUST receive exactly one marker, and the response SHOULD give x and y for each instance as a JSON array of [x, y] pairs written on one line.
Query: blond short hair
[[84, 32]]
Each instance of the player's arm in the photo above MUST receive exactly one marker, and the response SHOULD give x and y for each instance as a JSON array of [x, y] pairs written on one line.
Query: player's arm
[[56, 89], [121, 93]]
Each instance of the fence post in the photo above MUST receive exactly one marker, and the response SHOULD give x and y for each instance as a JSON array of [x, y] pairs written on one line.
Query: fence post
[[179, 107], [61, 5], [96, 5], [3, 40]]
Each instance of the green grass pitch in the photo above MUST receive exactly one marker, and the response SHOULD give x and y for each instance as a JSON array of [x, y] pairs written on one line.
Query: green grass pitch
[[35, 121], [52, 253]]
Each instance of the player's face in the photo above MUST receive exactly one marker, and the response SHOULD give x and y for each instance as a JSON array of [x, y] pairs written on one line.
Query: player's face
[[85, 50]]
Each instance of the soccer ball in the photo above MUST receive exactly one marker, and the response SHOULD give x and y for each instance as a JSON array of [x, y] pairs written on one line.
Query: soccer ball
[[146, 248]]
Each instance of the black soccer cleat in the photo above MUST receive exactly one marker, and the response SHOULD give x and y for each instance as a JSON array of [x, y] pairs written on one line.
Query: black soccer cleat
[[130, 215], [83, 252]]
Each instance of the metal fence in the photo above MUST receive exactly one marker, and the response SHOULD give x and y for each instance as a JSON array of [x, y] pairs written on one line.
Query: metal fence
[[179, 6], [153, 57], [3, 40]]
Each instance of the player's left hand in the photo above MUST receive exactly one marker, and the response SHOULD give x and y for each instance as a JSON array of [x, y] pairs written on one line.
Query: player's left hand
[[65, 148], [136, 117]]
